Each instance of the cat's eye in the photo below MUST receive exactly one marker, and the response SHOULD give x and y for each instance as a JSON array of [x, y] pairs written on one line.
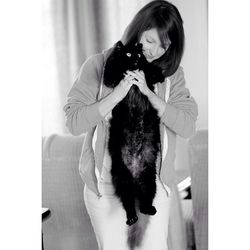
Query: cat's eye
[[128, 54]]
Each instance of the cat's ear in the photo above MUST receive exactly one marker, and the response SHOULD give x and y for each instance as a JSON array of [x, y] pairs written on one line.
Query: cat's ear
[[119, 45], [139, 46]]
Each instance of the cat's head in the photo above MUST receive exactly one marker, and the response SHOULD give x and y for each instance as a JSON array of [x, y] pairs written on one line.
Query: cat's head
[[121, 59], [131, 56]]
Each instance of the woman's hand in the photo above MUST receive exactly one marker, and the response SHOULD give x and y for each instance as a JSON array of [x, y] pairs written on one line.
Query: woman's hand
[[121, 90], [138, 78], [140, 81]]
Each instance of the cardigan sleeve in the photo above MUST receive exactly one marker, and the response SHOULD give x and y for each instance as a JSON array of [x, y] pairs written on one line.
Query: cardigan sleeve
[[181, 110], [81, 110]]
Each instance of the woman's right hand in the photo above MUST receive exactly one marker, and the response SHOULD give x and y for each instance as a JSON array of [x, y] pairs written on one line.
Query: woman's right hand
[[121, 90]]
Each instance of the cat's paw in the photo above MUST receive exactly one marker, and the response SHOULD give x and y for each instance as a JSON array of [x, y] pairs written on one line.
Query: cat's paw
[[131, 221], [151, 210]]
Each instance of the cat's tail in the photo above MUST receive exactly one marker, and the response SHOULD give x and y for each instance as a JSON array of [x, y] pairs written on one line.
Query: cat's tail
[[136, 231]]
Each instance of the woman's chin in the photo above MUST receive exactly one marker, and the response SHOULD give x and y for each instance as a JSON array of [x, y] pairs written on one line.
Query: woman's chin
[[149, 59]]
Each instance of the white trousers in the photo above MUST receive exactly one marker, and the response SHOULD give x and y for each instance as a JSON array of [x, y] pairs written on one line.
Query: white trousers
[[108, 219]]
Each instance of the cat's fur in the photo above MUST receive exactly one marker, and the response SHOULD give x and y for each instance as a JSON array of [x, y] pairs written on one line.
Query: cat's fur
[[134, 141]]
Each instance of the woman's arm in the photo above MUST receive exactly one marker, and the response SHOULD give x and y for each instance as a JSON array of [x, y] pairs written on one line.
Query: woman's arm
[[180, 112], [157, 102], [119, 92], [82, 110], [140, 81]]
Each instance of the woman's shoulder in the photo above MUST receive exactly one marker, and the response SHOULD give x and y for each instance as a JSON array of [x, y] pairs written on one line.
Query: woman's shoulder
[[179, 73], [98, 59], [94, 59], [177, 80]]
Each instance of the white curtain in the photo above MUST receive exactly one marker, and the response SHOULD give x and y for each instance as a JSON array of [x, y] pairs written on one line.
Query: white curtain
[[72, 31]]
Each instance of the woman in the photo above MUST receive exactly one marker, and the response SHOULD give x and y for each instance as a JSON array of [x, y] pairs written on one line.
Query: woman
[[158, 27]]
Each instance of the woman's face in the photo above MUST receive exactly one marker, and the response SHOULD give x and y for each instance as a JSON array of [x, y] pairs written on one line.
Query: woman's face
[[151, 45]]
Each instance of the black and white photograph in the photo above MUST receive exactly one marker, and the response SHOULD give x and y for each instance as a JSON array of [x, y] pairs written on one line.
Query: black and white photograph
[[125, 125]]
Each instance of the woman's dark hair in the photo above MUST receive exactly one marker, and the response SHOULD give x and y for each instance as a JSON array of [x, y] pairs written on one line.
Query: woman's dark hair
[[166, 18]]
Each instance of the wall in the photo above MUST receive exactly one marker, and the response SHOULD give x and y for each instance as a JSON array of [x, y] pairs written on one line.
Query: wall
[[195, 59]]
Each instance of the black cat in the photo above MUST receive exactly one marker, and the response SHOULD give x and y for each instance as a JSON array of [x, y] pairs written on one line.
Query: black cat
[[134, 141]]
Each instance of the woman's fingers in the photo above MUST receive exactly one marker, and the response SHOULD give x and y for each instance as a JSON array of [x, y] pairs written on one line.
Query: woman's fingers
[[134, 74], [138, 75]]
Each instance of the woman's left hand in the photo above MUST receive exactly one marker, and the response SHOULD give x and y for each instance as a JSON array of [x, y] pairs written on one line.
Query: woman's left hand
[[140, 81]]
